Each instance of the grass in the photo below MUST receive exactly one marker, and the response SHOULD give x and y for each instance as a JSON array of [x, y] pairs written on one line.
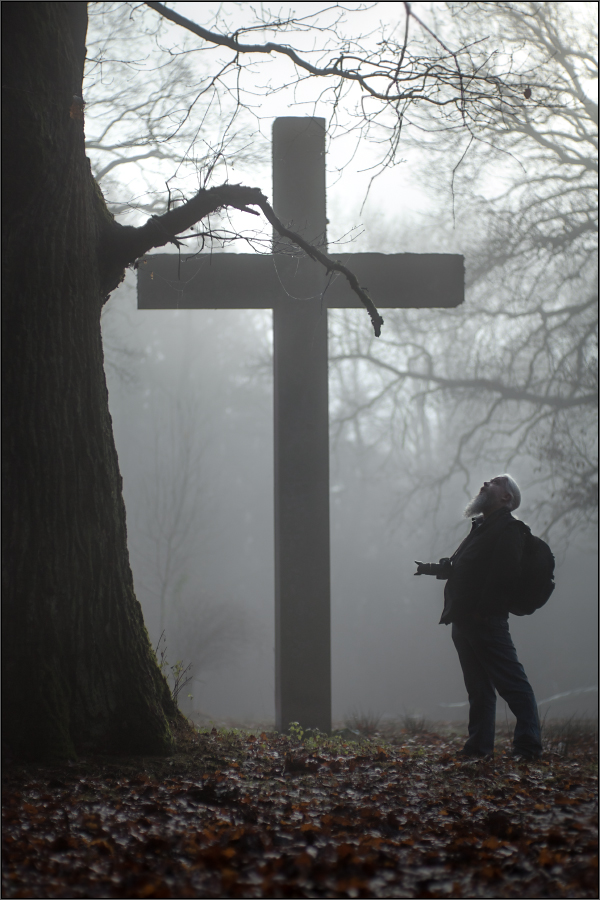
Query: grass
[[561, 736], [371, 726], [413, 724], [364, 724]]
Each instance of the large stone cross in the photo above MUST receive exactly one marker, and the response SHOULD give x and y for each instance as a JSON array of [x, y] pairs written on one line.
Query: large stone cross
[[299, 293]]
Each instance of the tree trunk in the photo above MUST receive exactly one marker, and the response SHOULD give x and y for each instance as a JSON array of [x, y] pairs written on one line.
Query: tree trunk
[[78, 668]]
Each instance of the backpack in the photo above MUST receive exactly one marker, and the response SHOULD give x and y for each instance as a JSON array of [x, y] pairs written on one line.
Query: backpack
[[537, 575]]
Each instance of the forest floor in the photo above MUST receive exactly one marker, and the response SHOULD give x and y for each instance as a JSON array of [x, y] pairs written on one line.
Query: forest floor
[[240, 814]]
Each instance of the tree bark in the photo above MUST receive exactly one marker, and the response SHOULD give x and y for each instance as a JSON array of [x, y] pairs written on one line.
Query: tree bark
[[78, 669]]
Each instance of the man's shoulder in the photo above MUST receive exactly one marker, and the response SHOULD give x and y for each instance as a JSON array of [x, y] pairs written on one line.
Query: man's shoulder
[[509, 535], [485, 524], [518, 530], [515, 525], [486, 532], [503, 520]]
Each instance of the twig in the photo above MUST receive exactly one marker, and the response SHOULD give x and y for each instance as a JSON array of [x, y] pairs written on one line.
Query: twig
[[330, 264]]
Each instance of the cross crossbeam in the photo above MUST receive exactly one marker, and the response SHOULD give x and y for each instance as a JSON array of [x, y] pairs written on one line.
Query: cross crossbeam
[[299, 292], [253, 281]]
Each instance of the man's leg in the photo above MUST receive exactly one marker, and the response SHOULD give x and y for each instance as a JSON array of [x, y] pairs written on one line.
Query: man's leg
[[481, 693], [492, 644]]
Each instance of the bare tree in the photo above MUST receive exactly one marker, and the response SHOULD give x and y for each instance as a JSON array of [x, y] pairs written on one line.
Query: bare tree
[[169, 537], [510, 378], [155, 115], [174, 493]]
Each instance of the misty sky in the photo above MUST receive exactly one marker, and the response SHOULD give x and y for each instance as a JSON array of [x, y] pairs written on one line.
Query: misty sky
[[190, 395]]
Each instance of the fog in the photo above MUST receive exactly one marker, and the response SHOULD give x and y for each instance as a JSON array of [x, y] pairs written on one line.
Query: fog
[[419, 417], [191, 401]]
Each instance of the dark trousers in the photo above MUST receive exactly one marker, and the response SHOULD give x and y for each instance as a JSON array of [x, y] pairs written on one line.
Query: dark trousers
[[489, 662]]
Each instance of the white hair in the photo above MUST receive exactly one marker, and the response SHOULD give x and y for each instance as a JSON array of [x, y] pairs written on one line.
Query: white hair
[[513, 489]]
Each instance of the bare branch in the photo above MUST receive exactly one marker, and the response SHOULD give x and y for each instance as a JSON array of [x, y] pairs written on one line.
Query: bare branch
[[233, 43], [477, 385], [329, 264], [127, 243]]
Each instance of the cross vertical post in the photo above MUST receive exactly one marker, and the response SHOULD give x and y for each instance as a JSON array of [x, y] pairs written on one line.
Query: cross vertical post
[[301, 420]]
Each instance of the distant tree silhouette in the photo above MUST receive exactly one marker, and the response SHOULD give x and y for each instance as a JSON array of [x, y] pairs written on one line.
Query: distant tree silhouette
[[511, 377]]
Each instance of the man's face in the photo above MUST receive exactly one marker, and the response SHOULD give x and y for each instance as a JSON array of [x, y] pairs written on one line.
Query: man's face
[[495, 493], [492, 496]]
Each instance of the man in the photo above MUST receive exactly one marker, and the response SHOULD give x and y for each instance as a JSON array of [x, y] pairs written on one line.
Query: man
[[481, 577]]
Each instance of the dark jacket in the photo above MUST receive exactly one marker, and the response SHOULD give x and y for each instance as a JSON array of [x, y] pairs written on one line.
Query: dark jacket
[[484, 572]]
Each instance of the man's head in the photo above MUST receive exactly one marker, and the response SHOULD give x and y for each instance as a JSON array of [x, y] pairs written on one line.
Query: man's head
[[501, 491]]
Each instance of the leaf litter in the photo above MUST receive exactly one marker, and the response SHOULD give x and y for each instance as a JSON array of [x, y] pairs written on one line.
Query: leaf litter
[[239, 814]]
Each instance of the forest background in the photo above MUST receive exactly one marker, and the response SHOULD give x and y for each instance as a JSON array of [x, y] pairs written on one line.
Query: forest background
[[419, 417]]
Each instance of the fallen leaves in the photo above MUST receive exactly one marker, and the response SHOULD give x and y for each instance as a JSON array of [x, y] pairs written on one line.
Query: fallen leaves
[[238, 815]]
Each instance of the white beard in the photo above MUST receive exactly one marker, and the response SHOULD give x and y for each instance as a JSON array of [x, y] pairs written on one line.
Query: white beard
[[477, 506]]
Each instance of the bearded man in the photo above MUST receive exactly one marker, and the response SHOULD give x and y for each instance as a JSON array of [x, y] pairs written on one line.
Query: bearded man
[[481, 578]]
